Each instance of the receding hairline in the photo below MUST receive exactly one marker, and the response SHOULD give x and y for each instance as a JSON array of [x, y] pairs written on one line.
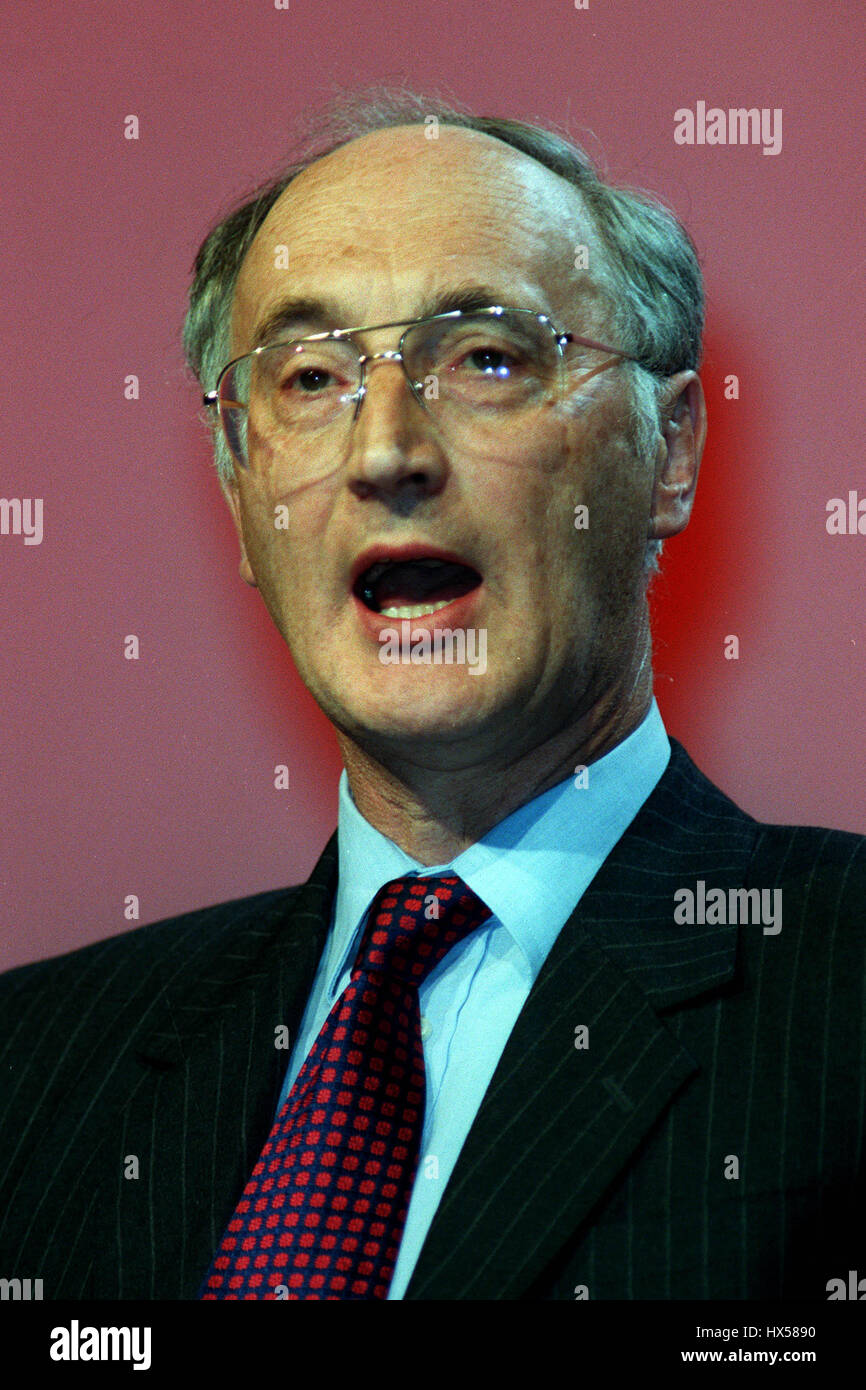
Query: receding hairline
[[446, 134], [565, 200]]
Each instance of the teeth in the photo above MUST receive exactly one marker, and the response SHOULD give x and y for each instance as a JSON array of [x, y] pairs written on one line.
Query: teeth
[[415, 610]]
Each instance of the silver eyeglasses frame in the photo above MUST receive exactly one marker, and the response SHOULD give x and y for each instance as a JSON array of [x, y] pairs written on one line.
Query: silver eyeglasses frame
[[213, 401]]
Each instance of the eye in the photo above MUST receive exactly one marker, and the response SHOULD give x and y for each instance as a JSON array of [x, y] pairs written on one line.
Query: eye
[[300, 378], [308, 380], [301, 370], [495, 359], [492, 361]]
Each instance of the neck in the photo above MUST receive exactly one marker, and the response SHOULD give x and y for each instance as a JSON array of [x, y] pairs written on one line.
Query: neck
[[433, 813]]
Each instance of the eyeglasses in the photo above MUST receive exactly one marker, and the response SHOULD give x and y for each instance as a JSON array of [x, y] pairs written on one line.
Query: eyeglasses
[[479, 374]]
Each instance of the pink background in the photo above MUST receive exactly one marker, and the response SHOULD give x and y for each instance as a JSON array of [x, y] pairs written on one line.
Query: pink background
[[155, 777]]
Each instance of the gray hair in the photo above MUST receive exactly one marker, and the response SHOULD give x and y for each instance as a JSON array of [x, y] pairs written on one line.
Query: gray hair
[[653, 279]]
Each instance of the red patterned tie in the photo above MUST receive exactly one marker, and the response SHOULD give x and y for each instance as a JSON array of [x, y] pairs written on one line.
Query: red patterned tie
[[323, 1213]]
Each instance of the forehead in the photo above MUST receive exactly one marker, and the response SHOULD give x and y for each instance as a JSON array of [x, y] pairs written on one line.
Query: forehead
[[386, 222]]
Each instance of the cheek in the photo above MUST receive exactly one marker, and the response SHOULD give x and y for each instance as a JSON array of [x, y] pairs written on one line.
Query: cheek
[[596, 496], [529, 494], [283, 535], [615, 485]]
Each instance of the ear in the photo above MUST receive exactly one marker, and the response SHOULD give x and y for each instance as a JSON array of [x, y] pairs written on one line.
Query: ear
[[683, 431], [232, 496]]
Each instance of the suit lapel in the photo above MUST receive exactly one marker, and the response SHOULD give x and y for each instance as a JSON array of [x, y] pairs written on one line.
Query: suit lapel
[[558, 1124]]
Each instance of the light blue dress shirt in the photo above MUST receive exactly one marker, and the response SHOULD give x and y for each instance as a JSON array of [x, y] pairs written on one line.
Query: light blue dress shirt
[[531, 870]]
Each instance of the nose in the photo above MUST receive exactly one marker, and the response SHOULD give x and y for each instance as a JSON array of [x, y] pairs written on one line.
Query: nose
[[395, 446]]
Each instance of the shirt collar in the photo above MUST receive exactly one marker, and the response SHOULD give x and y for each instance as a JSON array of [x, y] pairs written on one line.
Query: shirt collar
[[530, 869]]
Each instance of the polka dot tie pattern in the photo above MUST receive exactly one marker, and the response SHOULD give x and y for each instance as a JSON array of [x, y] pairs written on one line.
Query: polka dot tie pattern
[[323, 1213]]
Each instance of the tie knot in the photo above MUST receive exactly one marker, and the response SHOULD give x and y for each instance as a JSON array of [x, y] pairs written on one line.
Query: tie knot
[[414, 922]]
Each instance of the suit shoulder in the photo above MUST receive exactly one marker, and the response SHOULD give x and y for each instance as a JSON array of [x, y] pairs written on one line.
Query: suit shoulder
[[804, 852], [86, 1013], [794, 851], [127, 952], [820, 872], [818, 877]]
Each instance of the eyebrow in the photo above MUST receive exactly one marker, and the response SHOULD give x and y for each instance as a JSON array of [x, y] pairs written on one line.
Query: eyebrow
[[315, 314]]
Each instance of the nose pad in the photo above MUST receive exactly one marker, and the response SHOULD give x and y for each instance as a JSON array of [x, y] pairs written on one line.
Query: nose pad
[[392, 355]]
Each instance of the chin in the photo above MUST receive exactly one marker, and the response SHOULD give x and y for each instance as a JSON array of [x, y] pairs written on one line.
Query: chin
[[420, 716]]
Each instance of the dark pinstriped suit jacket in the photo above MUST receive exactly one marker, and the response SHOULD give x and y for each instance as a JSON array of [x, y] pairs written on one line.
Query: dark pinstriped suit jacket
[[601, 1169]]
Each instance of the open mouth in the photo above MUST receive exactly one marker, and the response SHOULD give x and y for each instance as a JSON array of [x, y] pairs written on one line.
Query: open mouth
[[413, 588]]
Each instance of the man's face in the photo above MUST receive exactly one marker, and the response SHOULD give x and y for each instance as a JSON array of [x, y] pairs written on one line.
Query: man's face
[[379, 229]]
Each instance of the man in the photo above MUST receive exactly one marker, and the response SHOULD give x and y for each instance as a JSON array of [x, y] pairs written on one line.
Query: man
[[564, 1022]]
